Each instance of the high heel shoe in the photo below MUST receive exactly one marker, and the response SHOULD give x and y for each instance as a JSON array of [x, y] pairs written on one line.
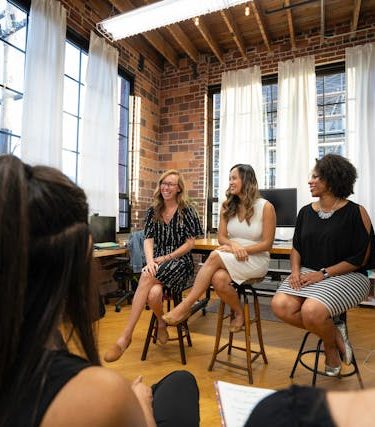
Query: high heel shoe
[[347, 354], [115, 352], [170, 321], [332, 371]]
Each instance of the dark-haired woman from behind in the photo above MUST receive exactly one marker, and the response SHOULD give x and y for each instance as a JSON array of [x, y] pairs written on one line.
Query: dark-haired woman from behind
[[45, 264], [246, 233]]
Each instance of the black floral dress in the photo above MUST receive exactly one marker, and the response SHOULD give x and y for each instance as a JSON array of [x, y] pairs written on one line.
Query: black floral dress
[[173, 273]]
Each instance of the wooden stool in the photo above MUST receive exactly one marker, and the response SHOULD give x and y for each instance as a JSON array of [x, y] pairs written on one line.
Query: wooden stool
[[243, 291], [182, 328], [315, 369]]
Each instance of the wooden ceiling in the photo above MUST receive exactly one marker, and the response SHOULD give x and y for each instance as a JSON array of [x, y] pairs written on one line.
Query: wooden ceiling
[[268, 22]]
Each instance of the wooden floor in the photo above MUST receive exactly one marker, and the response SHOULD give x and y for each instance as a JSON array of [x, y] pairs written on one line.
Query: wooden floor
[[281, 341]]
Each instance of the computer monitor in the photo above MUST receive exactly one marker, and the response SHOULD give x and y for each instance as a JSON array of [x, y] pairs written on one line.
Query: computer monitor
[[284, 201], [103, 228]]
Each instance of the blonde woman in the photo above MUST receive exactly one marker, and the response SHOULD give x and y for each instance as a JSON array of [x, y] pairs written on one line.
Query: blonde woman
[[170, 228]]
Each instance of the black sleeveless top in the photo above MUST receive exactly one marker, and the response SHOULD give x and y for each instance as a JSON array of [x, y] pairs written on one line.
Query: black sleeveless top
[[62, 367]]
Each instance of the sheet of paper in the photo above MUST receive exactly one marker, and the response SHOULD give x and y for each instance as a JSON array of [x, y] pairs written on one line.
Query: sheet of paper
[[237, 401]]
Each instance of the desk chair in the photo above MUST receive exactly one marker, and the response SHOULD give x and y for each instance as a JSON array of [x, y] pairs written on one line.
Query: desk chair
[[182, 328], [318, 351], [243, 290]]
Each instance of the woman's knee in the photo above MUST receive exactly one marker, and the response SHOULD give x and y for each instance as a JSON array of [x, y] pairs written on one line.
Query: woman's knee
[[283, 306], [313, 314], [221, 280], [155, 294]]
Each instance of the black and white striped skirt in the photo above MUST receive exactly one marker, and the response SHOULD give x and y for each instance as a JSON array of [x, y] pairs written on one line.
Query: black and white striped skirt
[[337, 293]]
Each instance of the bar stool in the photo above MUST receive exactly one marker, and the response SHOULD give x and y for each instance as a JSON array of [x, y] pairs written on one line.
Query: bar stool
[[243, 290], [318, 351], [182, 328]]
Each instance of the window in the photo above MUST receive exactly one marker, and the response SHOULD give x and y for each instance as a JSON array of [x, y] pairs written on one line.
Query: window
[[13, 31], [330, 90]]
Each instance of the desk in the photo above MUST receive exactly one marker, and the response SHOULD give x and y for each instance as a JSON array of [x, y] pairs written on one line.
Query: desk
[[209, 244], [99, 253]]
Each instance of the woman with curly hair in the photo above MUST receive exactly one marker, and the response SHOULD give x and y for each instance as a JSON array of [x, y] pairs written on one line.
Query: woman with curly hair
[[170, 228], [333, 246], [246, 232]]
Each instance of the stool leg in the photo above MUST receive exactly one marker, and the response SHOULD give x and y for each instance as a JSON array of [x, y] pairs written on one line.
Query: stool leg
[[187, 333], [316, 364], [181, 343], [259, 325], [230, 340], [248, 339], [148, 337], [219, 327], [356, 370], [298, 358]]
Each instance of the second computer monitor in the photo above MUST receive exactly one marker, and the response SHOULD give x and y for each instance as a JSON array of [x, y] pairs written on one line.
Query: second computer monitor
[[284, 201]]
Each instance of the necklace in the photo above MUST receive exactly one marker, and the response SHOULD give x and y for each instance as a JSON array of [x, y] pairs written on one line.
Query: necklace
[[327, 214]]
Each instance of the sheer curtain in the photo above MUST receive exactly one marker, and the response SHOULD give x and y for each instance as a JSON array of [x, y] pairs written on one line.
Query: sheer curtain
[[99, 150], [297, 146], [44, 84], [360, 120], [241, 124]]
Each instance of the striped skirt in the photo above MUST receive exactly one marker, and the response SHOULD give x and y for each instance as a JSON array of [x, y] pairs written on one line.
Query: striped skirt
[[337, 293]]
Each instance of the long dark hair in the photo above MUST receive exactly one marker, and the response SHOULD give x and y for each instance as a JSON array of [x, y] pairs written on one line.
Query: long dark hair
[[249, 190], [45, 261]]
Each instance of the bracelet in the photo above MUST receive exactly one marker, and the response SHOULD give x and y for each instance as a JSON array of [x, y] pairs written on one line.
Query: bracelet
[[325, 273]]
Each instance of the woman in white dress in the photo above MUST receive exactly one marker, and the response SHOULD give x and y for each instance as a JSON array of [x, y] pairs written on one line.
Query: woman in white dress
[[246, 233]]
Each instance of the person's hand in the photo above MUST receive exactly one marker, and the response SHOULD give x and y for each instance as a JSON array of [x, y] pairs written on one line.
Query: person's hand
[[240, 253], [160, 259], [310, 277], [144, 395], [295, 281], [150, 268], [225, 248], [142, 391]]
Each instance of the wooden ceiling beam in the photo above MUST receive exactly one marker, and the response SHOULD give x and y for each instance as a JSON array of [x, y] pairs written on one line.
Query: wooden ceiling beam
[[259, 18], [234, 31], [184, 41], [153, 37], [356, 10], [212, 43], [290, 25]]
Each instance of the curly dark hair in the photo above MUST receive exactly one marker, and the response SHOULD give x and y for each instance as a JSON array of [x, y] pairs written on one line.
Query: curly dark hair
[[339, 174]]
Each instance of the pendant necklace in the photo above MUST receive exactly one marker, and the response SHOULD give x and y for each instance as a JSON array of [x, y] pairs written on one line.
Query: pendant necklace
[[327, 214]]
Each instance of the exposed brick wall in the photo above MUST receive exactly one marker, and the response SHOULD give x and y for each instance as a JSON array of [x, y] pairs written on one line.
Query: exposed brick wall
[[171, 128], [183, 109]]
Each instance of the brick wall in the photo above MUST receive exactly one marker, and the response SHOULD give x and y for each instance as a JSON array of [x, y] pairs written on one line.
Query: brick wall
[[169, 128], [183, 98]]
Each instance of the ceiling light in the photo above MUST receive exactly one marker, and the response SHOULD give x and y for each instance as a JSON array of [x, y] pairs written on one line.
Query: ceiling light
[[160, 14], [247, 10]]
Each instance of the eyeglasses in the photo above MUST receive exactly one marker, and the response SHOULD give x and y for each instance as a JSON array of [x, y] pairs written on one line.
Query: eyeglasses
[[168, 184]]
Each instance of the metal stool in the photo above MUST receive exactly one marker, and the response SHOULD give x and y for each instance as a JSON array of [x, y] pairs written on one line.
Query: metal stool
[[182, 328], [243, 291], [318, 351]]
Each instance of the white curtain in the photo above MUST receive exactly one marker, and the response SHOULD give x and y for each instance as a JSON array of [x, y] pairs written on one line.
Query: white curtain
[[99, 150], [360, 121], [241, 124], [296, 145], [44, 84]]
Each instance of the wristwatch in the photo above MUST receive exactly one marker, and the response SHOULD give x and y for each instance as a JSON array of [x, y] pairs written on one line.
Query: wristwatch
[[325, 273]]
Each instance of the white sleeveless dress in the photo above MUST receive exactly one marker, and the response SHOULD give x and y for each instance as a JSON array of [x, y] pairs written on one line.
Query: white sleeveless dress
[[244, 234]]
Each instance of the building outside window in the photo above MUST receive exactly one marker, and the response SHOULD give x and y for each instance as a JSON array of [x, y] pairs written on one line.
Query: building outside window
[[330, 90], [13, 32]]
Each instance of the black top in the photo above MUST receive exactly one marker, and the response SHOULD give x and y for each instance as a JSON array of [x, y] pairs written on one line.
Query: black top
[[342, 237], [168, 237], [39, 394]]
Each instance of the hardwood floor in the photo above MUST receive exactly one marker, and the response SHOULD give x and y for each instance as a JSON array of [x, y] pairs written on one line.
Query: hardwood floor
[[281, 342]]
